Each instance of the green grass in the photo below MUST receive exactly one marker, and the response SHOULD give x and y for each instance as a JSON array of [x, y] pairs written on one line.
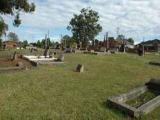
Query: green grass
[[58, 93]]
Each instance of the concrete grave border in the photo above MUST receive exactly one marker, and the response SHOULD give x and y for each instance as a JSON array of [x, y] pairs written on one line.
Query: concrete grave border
[[49, 61], [119, 101]]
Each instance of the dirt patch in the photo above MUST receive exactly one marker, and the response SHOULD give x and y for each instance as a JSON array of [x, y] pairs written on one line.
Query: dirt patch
[[5, 62]]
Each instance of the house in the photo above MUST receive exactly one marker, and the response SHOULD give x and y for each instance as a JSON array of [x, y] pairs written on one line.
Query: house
[[116, 43], [151, 45], [10, 44]]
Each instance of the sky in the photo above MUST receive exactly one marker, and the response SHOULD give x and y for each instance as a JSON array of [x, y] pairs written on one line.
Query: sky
[[139, 19]]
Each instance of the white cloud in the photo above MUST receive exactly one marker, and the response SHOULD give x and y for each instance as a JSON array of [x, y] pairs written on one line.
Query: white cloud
[[142, 17]]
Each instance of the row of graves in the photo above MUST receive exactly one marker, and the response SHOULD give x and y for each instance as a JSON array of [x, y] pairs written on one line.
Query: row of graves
[[106, 47], [46, 58]]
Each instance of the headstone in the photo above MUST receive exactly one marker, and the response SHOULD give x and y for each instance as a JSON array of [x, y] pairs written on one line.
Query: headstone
[[80, 68], [61, 58], [140, 50], [102, 49], [92, 51], [50, 54]]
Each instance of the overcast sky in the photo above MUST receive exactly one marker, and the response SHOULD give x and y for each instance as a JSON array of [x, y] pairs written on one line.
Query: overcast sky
[[134, 18]]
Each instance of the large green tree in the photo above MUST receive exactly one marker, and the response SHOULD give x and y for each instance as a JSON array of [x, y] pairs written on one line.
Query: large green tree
[[130, 40], [13, 36], [13, 8], [3, 27], [85, 26], [24, 43]]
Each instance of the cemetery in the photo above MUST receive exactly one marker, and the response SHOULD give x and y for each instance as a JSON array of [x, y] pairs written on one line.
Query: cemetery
[[75, 60]]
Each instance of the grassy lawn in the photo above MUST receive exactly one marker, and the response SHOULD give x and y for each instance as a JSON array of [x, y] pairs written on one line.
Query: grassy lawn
[[58, 93]]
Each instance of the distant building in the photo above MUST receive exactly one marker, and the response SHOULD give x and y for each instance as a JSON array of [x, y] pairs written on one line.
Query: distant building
[[114, 43], [151, 45], [10, 44]]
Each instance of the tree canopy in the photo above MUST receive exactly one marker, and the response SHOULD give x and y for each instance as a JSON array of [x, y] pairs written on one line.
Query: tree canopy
[[85, 26], [3, 27], [13, 8], [13, 36], [24, 43], [130, 40]]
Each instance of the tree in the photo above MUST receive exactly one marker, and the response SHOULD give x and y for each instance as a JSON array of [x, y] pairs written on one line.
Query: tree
[[13, 8], [3, 27], [85, 26], [24, 43], [130, 40], [120, 37], [39, 44], [13, 36]]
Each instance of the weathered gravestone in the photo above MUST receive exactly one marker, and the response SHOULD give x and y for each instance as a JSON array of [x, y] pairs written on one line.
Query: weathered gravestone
[[50, 54], [103, 49], [80, 68], [61, 58], [140, 50]]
